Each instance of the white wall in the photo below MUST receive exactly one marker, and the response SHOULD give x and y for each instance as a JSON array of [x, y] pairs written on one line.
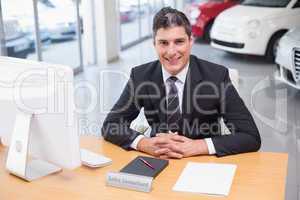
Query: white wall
[[101, 31], [88, 38]]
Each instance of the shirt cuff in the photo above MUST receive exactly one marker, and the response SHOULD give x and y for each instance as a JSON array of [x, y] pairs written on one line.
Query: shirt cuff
[[136, 141], [210, 146]]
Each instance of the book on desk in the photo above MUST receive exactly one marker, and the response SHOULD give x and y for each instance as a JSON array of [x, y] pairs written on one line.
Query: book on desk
[[138, 174], [145, 166]]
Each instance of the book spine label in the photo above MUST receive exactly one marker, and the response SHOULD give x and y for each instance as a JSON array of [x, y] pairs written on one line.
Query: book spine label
[[129, 181]]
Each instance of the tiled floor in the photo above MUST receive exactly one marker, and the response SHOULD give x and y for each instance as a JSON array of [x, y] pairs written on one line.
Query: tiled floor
[[275, 106]]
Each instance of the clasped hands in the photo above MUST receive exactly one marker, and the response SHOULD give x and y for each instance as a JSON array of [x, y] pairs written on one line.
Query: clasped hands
[[172, 145]]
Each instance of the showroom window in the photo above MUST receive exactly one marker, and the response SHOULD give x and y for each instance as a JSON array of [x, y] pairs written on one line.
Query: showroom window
[[18, 28], [136, 19], [56, 24]]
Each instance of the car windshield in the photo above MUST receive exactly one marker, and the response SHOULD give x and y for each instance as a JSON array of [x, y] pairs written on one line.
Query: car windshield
[[266, 3]]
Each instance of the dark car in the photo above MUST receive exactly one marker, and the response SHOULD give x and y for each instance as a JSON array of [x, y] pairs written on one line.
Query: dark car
[[16, 42]]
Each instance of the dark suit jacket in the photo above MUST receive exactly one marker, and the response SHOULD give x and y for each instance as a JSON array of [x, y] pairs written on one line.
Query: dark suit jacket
[[208, 96]]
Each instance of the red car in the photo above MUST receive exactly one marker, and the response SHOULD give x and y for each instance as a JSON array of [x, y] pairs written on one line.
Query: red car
[[203, 14]]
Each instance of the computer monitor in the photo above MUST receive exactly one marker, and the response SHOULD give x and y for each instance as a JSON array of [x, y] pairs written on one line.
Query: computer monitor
[[38, 119]]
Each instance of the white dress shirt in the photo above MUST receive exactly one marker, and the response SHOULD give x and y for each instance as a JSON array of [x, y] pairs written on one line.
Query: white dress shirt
[[181, 77]]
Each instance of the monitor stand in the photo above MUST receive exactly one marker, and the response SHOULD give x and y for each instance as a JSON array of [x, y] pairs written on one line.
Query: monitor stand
[[18, 160]]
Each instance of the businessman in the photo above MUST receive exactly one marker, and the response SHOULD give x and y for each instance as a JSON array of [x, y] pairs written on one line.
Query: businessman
[[183, 98]]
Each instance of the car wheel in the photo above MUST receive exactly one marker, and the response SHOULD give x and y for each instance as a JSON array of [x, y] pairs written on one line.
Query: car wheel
[[207, 32], [273, 46]]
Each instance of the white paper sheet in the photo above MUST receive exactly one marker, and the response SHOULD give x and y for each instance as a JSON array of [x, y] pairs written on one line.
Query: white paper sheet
[[206, 178]]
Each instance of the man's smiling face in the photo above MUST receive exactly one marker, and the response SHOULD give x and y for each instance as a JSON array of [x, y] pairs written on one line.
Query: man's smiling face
[[173, 47]]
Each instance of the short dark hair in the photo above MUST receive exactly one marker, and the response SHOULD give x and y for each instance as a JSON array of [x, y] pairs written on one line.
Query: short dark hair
[[168, 17]]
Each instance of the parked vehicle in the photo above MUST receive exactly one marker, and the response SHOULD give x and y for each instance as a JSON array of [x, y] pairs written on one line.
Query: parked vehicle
[[60, 20], [44, 37], [203, 14], [57, 19], [288, 59], [255, 26], [60, 29], [16, 42], [127, 14], [26, 24]]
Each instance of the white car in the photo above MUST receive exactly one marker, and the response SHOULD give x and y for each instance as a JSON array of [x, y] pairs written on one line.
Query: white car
[[288, 58], [57, 18], [60, 28], [60, 19], [255, 26]]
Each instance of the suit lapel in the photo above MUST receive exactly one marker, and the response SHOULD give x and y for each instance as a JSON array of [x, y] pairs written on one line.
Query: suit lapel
[[192, 80], [158, 90]]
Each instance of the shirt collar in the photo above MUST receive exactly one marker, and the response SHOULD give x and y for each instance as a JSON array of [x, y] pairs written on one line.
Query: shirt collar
[[181, 75]]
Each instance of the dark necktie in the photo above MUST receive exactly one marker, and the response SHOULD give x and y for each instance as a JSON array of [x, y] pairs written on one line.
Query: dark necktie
[[173, 108]]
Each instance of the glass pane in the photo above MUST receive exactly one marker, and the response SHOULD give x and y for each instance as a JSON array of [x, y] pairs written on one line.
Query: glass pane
[[156, 5], [18, 28], [129, 21], [58, 31], [170, 3], [145, 15]]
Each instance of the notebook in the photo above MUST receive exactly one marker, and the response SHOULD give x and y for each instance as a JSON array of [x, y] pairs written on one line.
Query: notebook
[[138, 167], [206, 178]]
